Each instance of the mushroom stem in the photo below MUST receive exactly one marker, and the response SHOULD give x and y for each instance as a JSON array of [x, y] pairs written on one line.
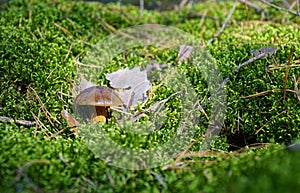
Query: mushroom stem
[[101, 115]]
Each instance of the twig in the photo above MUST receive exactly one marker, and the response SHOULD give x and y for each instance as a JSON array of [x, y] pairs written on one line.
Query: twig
[[45, 111], [256, 7], [87, 65], [63, 29], [252, 146], [267, 92], [38, 122], [257, 57], [111, 28], [187, 149], [224, 23], [264, 125], [273, 67], [36, 125], [69, 51], [21, 122], [280, 8], [40, 33], [287, 73]]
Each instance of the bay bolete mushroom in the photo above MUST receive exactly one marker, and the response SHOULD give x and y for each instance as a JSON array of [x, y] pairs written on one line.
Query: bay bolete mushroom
[[95, 100]]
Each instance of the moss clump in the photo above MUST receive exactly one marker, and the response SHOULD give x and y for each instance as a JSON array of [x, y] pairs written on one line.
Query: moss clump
[[39, 43]]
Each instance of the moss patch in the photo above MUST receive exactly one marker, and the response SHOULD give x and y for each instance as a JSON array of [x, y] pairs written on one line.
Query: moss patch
[[39, 43]]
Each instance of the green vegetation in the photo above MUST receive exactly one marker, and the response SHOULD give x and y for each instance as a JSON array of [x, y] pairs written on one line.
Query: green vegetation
[[39, 44]]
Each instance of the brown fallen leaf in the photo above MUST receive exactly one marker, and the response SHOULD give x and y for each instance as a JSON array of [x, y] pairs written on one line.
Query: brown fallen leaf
[[131, 85], [70, 119]]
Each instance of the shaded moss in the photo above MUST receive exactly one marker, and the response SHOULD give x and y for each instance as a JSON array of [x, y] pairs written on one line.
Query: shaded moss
[[39, 42]]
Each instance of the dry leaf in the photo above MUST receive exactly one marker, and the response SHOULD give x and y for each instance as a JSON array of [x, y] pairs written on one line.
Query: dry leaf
[[70, 119], [131, 84]]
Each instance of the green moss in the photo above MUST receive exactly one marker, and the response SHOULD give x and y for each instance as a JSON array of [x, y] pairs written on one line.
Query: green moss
[[39, 43]]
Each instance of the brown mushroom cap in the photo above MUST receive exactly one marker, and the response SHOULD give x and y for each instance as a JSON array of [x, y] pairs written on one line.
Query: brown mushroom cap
[[100, 96]]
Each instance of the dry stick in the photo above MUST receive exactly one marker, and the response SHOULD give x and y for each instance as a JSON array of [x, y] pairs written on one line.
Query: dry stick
[[267, 92], [110, 27], [252, 146], [36, 125], [224, 23], [273, 67], [21, 122], [259, 56], [287, 73], [63, 29], [46, 112], [186, 150], [264, 125], [279, 8], [41, 124], [87, 65], [257, 8], [69, 51]]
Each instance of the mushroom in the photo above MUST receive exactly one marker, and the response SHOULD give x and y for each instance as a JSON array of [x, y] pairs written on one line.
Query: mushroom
[[93, 102]]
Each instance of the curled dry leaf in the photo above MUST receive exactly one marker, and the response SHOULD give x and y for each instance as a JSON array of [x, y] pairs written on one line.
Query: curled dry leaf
[[70, 119], [130, 84]]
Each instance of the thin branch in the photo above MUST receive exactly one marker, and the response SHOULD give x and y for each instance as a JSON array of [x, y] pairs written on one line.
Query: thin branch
[[287, 73], [36, 125], [256, 7], [69, 51], [113, 29], [267, 92], [258, 55], [279, 8], [20, 122], [46, 112], [273, 67], [264, 125], [87, 65], [187, 149], [38, 122], [64, 30], [224, 23]]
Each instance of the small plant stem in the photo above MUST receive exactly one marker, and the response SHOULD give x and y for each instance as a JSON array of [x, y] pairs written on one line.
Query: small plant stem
[[287, 73]]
